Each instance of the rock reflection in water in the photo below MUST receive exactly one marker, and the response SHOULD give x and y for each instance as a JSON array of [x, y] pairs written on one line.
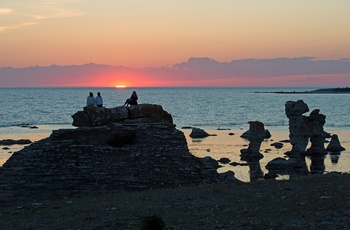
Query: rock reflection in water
[[334, 157], [317, 164], [255, 172]]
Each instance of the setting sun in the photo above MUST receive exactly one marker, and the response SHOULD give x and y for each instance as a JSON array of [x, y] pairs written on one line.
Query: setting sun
[[120, 86]]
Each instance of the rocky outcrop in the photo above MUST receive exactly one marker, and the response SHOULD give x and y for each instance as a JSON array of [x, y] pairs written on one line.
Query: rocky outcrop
[[334, 145], [317, 137], [15, 142], [145, 152], [198, 133], [304, 128], [97, 116], [298, 125], [256, 136]]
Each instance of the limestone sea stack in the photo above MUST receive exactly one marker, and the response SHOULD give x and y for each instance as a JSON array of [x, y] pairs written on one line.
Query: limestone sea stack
[[116, 149]]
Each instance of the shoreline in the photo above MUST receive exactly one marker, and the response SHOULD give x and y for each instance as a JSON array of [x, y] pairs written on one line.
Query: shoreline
[[221, 146], [338, 90]]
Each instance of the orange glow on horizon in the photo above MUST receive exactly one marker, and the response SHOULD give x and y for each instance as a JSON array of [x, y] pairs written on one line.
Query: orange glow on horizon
[[120, 86]]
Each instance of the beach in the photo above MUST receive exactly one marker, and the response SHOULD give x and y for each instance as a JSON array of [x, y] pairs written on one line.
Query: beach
[[311, 201]]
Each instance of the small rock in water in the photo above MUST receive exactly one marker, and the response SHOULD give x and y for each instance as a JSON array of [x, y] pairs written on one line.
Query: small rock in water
[[198, 133], [224, 160]]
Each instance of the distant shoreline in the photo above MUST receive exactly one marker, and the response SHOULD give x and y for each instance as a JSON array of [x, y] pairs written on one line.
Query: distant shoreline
[[338, 90]]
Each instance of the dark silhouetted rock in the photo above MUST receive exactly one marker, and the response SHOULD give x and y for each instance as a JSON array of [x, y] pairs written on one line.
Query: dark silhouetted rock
[[285, 165], [256, 136], [334, 144], [224, 160], [97, 116], [296, 108], [15, 142], [136, 154], [277, 145], [246, 134], [198, 133]]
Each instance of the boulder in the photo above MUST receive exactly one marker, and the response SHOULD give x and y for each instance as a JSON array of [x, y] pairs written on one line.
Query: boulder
[[15, 142], [224, 160], [277, 145], [285, 165], [334, 144], [198, 133]]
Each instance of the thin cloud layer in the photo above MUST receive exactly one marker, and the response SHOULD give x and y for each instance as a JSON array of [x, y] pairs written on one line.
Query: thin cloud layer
[[303, 71], [206, 67], [5, 11], [35, 11]]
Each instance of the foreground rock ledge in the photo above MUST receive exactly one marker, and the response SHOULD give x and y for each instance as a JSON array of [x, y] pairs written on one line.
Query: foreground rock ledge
[[145, 152]]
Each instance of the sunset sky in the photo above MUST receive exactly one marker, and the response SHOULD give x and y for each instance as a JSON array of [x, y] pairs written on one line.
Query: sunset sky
[[158, 33]]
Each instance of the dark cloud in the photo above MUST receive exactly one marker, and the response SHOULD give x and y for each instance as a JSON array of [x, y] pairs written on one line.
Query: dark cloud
[[264, 67], [194, 70]]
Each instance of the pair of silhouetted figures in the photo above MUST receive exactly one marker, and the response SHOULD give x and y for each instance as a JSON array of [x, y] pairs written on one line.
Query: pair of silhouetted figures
[[92, 101]]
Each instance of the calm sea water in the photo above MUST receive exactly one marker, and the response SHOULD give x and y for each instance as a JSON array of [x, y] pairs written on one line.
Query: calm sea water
[[208, 108]]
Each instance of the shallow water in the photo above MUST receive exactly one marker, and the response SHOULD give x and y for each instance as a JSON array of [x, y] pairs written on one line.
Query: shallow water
[[229, 146], [222, 145], [206, 108]]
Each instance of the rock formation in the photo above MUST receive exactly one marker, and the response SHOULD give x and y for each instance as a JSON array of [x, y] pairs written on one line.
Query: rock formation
[[198, 133], [334, 144], [304, 128], [97, 116], [15, 142], [298, 125], [317, 137], [144, 151], [256, 136]]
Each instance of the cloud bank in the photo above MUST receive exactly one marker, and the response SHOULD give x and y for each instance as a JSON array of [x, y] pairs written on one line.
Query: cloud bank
[[302, 71]]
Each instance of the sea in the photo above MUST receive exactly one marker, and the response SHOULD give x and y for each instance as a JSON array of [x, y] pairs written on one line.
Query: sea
[[38, 111], [208, 108]]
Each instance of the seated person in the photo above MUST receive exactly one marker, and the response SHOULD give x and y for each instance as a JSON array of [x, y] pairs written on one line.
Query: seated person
[[99, 100], [132, 100], [90, 100]]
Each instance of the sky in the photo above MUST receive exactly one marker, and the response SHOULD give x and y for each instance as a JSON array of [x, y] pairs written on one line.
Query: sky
[[162, 34]]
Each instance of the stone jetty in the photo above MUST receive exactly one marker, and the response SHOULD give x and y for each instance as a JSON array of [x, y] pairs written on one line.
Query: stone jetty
[[124, 148]]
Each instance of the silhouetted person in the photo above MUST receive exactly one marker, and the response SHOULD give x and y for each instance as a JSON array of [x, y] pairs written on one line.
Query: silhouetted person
[[132, 100], [90, 101], [99, 100]]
